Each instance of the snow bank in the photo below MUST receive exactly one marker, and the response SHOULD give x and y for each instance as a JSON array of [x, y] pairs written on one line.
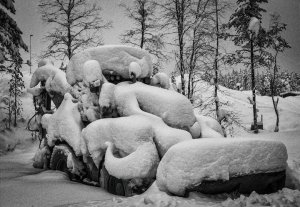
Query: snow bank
[[65, 125], [174, 108], [189, 163], [237, 102], [115, 58], [284, 197]]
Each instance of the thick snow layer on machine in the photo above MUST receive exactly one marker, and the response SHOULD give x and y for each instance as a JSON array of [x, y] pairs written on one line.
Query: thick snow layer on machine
[[55, 79], [189, 163], [140, 164], [126, 133], [209, 127], [91, 72], [42, 74], [57, 83], [138, 137], [115, 58], [65, 125], [174, 108], [161, 80]]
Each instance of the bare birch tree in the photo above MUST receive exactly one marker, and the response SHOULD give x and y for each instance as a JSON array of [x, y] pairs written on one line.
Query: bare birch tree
[[144, 33], [77, 24]]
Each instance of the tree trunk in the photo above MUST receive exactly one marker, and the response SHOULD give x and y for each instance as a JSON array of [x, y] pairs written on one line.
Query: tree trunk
[[253, 86], [15, 94], [216, 64], [273, 92], [180, 18], [275, 104], [143, 25]]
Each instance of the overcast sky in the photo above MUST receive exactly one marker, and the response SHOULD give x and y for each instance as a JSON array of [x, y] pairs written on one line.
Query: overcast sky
[[29, 20]]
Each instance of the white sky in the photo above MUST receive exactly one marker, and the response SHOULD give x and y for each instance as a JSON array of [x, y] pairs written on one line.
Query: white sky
[[29, 20]]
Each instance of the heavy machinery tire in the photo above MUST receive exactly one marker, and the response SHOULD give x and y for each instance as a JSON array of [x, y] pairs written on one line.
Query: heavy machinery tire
[[263, 183], [114, 185], [59, 159]]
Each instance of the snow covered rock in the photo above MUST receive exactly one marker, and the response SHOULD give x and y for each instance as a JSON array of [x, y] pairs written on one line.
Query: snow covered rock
[[161, 80], [121, 59], [65, 125], [138, 98], [187, 164]]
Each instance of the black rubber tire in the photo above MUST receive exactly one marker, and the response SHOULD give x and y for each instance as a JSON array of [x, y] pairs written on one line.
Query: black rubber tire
[[114, 185], [262, 183], [59, 159]]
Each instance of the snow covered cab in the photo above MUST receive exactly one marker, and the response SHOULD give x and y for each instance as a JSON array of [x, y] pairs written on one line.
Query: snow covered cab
[[118, 127]]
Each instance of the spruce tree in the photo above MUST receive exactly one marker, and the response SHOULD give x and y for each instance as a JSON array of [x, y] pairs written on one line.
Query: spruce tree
[[252, 43], [10, 58]]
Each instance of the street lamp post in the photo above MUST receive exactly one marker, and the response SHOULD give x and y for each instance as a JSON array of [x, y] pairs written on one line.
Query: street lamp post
[[30, 53]]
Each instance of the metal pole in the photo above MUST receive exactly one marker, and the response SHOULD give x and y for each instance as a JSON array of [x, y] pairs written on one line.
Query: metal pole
[[30, 53]]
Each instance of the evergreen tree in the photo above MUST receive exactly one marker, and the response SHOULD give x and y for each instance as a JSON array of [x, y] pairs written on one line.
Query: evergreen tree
[[250, 36], [10, 58]]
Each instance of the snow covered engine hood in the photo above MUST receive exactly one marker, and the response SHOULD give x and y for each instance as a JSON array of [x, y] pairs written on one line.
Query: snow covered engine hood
[[117, 63]]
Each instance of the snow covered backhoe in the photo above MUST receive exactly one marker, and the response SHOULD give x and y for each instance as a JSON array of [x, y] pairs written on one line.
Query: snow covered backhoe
[[116, 126]]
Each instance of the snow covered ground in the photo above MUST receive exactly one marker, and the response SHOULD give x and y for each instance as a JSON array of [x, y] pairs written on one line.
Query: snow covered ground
[[23, 185]]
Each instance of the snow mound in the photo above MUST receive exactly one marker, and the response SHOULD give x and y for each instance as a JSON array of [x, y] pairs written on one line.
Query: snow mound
[[116, 58], [189, 163], [65, 125], [284, 197]]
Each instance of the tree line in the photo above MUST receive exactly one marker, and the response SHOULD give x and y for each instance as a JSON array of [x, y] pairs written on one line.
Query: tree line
[[187, 31]]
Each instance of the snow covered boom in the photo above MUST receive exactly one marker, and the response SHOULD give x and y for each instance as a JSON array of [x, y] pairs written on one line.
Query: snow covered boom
[[117, 127]]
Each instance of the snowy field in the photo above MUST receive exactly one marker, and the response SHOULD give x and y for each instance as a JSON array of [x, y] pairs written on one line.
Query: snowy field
[[23, 185]]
